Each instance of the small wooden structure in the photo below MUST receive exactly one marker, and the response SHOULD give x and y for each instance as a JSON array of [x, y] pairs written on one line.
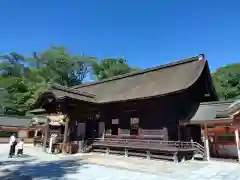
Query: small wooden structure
[[219, 119], [138, 107], [16, 125]]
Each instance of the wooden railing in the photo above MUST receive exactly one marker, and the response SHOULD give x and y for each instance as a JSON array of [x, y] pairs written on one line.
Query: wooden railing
[[171, 150], [199, 148], [177, 144]]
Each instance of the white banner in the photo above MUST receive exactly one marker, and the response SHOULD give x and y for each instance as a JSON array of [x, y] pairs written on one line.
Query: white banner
[[115, 121], [134, 120]]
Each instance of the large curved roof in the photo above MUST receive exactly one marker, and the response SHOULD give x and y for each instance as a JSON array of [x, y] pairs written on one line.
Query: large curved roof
[[161, 80], [158, 81]]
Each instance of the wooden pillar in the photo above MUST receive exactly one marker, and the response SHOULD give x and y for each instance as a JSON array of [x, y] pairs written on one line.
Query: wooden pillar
[[36, 131], [81, 136], [65, 136], [46, 130], [101, 130], [206, 143], [179, 131], [28, 133], [50, 145], [237, 143]]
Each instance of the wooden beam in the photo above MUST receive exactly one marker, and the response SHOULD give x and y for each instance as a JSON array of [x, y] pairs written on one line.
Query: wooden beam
[[46, 130], [206, 143], [65, 136], [237, 143]]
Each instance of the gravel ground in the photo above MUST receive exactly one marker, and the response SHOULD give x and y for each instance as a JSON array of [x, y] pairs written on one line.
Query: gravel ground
[[36, 164]]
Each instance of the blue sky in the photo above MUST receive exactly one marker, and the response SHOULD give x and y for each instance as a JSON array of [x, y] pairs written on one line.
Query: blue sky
[[146, 32]]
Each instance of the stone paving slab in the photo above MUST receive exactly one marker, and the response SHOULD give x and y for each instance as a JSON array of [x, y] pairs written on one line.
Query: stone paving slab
[[39, 165]]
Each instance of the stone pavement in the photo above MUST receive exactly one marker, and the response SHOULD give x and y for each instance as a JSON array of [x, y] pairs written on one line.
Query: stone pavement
[[38, 165]]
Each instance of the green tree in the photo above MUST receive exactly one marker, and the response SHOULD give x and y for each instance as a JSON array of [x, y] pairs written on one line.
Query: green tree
[[25, 78], [58, 64], [11, 65], [227, 81], [110, 67], [22, 91]]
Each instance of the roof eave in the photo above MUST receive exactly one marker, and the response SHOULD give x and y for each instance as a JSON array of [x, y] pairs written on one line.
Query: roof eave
[[211, 121]]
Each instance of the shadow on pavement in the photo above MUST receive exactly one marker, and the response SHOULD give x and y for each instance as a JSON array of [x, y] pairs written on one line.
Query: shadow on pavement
[[45, 170], [16, 162], [24, 159]]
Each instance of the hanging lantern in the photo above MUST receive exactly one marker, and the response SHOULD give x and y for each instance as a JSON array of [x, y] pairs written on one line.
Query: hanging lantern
[[97, 116]]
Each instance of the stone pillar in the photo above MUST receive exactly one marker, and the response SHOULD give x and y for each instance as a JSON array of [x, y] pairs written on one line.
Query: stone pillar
[[237, 143], [206, 143]]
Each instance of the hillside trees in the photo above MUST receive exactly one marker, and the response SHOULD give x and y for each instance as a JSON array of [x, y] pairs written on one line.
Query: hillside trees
[[25, 78], [227, 81]]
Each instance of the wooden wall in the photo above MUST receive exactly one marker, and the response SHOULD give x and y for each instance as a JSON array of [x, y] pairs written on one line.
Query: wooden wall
[[158, 117]]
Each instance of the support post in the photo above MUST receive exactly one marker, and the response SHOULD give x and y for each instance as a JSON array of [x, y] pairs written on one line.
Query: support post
[[148, 154], [125, 152], [175, 157], [46, 130], [50, 145], [36, 131], [107, 151], [81, 136], [65, 136], [179, 130], [237, 143], [206, 143]]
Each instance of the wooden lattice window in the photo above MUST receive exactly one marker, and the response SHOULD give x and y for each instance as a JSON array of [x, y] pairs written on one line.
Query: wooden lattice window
[[114, 126], [134, 126]]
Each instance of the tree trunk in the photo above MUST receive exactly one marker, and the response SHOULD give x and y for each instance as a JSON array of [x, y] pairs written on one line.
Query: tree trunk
[[65, 137], [46, 130]]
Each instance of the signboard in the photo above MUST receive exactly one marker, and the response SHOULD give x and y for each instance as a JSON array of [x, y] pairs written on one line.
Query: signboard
[[22, 133], [134, 120], [115, 121]]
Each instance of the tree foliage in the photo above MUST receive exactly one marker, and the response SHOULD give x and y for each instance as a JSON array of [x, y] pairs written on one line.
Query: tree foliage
[[25, 78], [58, 64], [12, 65], [227, 81], [110, 67]]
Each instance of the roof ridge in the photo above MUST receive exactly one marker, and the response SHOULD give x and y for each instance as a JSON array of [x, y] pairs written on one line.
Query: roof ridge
[[179, 62]]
